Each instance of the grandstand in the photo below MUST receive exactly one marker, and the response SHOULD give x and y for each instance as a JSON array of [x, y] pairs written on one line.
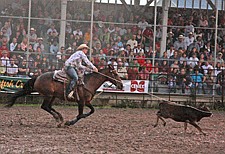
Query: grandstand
[[154, 43]]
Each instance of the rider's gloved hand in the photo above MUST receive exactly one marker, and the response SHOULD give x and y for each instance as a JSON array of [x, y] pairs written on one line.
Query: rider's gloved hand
[[95, 69]]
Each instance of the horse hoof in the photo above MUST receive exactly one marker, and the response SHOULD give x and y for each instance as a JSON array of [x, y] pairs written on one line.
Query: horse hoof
[[67, 123]]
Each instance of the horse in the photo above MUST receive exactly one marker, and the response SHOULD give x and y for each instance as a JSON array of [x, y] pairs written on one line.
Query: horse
[[51, 89]]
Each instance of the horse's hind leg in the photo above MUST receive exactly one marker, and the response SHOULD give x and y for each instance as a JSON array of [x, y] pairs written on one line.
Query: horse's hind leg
[[47, 106]]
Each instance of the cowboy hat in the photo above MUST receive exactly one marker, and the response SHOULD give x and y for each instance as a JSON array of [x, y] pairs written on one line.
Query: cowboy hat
[[181, 36], [83, 46], [69, 48], [4, 52], [32, 29]]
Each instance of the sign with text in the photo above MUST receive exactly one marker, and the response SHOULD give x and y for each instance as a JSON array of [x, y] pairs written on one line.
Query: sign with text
[[129, 86], [12, 84]]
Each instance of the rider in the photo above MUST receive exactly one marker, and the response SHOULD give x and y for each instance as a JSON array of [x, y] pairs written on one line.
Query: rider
[[75, 63]]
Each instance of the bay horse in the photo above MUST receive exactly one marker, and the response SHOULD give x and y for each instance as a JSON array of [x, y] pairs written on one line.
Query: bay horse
[[51, 89]]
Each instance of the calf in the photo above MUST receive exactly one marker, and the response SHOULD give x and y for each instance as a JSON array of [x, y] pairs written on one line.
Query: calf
[[181, 113]]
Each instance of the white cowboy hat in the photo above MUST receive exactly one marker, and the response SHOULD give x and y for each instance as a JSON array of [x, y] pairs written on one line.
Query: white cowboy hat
[[69, 48], [181, 36], [83, 46], [32, 29]]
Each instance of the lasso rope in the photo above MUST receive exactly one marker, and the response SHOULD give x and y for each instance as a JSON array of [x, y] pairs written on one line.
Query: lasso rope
[[108, 77]]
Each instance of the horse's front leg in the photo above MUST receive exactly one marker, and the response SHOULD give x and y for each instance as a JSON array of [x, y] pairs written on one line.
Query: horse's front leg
[[88, 104], [80, 115]]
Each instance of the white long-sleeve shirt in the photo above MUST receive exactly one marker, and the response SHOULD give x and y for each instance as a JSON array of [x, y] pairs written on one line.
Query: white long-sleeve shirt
[[76, 59]]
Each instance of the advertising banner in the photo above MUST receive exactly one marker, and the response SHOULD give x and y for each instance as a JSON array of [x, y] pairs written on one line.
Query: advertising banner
[[11, 84], [130, 86]]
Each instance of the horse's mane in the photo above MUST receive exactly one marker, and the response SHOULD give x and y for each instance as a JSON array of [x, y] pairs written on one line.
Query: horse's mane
[[92, 75]]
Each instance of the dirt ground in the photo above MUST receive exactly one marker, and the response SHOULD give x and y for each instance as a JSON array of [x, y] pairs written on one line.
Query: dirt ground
[[28, 129]]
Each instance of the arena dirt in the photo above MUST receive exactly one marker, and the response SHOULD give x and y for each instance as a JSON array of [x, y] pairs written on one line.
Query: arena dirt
[[25, 129]]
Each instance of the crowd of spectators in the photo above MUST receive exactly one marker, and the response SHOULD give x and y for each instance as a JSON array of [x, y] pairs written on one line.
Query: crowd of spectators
[[121, 38]]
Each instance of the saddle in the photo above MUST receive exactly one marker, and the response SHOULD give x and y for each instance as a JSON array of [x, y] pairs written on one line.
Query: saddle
[[61, 76]]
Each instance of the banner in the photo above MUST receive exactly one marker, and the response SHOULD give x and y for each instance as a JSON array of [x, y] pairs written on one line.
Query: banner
[[129, 86], [12, 84]]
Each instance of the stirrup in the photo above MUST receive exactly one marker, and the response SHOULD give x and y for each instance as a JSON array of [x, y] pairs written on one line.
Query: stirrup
[[71, 95]]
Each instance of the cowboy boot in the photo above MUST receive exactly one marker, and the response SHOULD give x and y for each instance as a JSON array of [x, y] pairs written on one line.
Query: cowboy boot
[[71, 89]]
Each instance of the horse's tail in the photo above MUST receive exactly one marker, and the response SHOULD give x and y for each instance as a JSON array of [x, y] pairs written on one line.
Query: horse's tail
[[28, 88]]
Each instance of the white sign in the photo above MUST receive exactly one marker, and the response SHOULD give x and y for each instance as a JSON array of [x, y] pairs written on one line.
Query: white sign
[[129, 86]]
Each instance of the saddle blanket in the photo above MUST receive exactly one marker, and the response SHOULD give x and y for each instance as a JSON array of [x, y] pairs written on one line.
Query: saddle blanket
[[61, 76]]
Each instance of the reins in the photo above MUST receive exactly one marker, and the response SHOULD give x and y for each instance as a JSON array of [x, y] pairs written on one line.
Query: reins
[[108, 77]]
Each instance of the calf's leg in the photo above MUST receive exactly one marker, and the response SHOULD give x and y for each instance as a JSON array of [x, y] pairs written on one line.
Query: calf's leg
[[157, 121], [196, 126]]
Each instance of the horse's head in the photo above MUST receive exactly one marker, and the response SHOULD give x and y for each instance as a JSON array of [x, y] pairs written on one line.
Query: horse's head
[[113, 76]]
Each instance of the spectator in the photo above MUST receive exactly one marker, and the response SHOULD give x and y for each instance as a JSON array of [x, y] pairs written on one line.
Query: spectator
[[87, 35], [12, 68], [164, 67], [138, 49], [122, 70], [5, 58], [53, 37], [39, 44], [180, 43], [60, 53], [174, 57], [181, 79], [132, 42], [32, 37], [143, 74], [209, 81], [53, 51], [219, 58], [44, 65], [148, 65], [69, 29], [183, 58], [133, 71], [22, 68], [19, 37], [172, 80], [169, 39], [141, 58], [102, 64], [193, 60], [170, 52], [194, 45], [148, 38], [4, 48], [78, 31], [13, 44], [37, 60], [113, 62], [105, 37], [142, 24], [189, 28], [2, 68], [24, 44], [51, 30], [96, 41], [198, 80], [69, 52], [139, 37], [189, 39]]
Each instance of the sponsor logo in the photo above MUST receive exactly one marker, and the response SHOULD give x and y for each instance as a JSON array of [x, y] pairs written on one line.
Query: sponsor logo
[[137, 86]]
